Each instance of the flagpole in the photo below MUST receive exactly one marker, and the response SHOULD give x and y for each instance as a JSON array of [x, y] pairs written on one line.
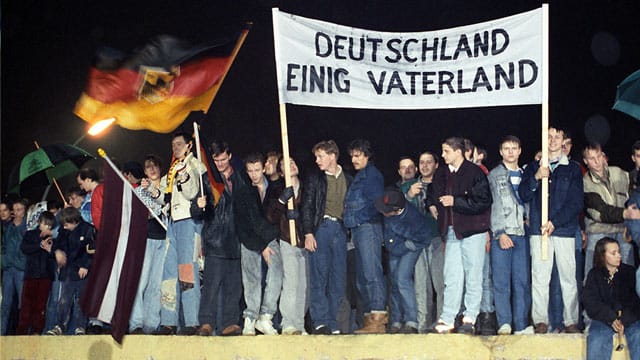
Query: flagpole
[[127, 184], [284, 131], [544, 162], [199, 153], [234, 53]]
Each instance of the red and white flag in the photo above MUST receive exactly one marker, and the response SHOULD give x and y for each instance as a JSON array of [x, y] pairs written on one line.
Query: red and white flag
[[117, 262]]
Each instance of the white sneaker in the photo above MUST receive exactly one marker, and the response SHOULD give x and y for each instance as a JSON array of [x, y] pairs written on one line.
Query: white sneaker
[[57, 330], [290, 330], [526, 331], [265, 326], [505, 329], [79, 331], [249, 327]]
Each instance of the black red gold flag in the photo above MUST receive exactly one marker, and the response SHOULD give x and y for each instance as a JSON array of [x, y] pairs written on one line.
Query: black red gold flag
[[157, 86]]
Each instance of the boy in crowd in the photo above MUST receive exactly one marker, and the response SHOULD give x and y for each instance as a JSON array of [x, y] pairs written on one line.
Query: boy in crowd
[[73, 258]]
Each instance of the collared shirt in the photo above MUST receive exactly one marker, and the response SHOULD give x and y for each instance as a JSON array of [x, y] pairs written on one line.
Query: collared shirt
[[336, 191], [337, 174]]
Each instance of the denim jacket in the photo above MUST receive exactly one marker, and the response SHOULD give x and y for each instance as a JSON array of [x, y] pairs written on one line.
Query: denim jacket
[[367, 186], [409, 231], [507, 213], [566, 197]]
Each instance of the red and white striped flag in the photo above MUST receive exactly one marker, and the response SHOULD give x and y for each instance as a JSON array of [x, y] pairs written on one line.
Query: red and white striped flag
[[117, 262]]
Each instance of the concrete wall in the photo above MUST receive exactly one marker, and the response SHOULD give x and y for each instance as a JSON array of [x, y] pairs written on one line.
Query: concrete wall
[[346, 347]]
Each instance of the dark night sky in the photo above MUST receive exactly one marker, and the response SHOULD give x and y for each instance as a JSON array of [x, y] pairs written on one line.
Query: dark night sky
[[47, 49]]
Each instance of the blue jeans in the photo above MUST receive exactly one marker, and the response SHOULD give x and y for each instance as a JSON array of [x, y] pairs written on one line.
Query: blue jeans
[[145, 313], [274, 280], [429, 283], [52, 304], [12, 281], [633, 228], [181, 236], [252, 281], [556, 306], [367, 239], [404, 308], [294, 299], [327, 273], [251, 264], [600, 340], [512, 286], [487, 302], [463, 263], [70, 293]]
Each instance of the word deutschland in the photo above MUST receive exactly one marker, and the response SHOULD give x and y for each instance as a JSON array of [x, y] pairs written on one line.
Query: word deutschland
[[410, 50]]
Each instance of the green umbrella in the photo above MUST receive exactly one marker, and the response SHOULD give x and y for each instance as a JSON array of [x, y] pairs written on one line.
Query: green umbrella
[[38, 168], [628, 95]]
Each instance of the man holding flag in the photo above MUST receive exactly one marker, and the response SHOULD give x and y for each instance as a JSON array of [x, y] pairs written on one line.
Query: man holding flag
[[180, 282]]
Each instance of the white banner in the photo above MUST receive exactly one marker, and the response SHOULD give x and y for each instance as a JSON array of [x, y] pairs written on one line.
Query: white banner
[[493, 63]]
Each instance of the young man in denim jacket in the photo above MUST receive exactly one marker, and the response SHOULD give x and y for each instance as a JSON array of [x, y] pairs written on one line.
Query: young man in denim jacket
[[510, 246]]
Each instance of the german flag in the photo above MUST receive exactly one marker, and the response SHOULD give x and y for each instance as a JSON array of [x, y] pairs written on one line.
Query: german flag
[[159, 85]]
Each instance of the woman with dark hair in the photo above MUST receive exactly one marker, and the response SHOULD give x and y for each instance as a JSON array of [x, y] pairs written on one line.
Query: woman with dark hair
[[610, 299]]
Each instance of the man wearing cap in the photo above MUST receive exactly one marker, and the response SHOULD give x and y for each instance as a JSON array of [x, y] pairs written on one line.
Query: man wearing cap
[[365, 223], [325, 236], [463, 201], [406, 234]]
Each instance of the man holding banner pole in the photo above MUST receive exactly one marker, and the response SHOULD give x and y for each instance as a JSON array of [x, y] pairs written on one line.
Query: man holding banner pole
[[565, 203]]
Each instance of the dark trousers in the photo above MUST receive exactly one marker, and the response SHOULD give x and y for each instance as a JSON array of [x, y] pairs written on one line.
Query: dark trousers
[[222, 280], [34, 303]]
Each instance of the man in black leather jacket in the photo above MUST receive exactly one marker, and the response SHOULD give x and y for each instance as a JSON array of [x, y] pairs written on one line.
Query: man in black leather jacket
[[325, 236]]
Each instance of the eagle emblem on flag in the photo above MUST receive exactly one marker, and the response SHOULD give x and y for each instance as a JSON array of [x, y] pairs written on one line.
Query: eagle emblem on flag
[[156, 83]]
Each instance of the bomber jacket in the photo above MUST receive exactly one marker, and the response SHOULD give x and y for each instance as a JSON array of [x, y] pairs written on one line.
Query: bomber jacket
[[472, 199], [359, 208], [507, 213], [314, 200], [40, 263], [602, 298], [566, 197], [408, 231], [74, 244], [219, 236], [237, 218], [252, 227], [604, 200], [276, 214]]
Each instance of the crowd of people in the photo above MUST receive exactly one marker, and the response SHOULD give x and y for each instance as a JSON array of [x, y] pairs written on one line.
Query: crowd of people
[[450, 247]]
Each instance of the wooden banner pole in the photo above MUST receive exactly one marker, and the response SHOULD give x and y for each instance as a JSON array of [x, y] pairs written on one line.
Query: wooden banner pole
[[545, 128], [287, 167]]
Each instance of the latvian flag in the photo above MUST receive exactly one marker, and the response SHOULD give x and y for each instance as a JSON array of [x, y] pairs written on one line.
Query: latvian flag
[[157, 86], [117, 261]]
